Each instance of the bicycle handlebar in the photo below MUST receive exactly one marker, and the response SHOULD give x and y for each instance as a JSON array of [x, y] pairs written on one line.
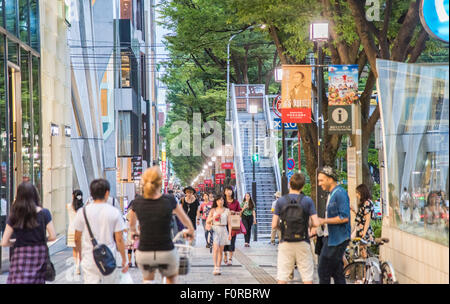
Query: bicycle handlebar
[[182, 234]]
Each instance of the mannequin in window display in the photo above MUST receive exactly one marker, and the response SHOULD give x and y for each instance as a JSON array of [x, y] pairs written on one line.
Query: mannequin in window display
[[433, 211], [394, 208], [406, 206], [445, 210]]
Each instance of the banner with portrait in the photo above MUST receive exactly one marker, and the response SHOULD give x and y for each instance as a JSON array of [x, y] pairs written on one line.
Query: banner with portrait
[[342, 94], [296, 94]]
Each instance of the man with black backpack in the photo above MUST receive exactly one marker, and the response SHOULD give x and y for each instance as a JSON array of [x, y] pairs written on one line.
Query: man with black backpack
[[294, 214]]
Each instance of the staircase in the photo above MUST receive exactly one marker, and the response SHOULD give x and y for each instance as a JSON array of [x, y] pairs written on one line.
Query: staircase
[[267, 175], [266, 184]]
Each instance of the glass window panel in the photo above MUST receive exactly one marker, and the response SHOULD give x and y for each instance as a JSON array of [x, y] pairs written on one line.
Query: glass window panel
[[126, 70], [37, 155], [13, 48], [34, 24], [3, 129], [415, 111], [1, 13], [124, 133], [23, 20], [11, 16], [26, 116], [104, 102]]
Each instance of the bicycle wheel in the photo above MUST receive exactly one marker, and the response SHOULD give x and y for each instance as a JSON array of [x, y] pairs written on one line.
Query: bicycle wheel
[[388, 274], [355, 273]]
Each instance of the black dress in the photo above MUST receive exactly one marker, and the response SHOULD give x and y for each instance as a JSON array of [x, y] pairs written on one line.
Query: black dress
[[191, 210]]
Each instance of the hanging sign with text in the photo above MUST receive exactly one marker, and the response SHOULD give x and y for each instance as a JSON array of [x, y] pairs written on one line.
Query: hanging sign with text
[[296, 94], [342, 94]]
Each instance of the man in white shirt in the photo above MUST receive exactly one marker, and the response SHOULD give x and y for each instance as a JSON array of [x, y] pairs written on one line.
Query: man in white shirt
[[107, 226]]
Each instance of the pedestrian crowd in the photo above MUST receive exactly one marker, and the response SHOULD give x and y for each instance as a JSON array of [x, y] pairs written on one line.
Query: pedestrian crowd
[[144, 237]]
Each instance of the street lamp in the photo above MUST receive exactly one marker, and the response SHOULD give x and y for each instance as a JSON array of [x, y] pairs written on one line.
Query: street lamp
[[278, 74], [318, 32], [284, 181]]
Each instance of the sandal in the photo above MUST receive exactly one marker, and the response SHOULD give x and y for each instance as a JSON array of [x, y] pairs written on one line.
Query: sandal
[[230, 262], [216, 271]]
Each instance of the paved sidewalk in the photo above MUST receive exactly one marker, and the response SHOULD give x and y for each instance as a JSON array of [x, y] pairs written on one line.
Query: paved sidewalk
[[251, 265]]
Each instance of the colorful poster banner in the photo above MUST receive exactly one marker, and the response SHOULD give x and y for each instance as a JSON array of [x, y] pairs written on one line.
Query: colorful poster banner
[[342, 94], [342, 84], [296, 94]]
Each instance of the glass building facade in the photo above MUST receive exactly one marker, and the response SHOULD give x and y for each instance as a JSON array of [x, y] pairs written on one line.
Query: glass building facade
[[20, 101], [415, 121]]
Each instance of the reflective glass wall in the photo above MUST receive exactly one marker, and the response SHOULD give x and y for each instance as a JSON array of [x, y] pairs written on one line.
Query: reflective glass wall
[[20, 101], [414, 103]]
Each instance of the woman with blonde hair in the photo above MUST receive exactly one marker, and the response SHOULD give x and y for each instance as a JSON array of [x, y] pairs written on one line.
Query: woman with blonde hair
[[154, 212]]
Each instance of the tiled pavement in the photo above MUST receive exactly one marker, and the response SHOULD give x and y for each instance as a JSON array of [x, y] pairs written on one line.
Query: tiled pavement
[[251, 265]]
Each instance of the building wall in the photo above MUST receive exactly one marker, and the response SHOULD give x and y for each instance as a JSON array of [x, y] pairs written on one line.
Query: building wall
[[415, 127], [416, 260], [56, 108]]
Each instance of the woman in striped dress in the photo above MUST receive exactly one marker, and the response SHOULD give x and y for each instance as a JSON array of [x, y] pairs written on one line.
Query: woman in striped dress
[[29, 223]]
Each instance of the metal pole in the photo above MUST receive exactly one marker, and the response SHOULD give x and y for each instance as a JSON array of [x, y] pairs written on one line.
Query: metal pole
[[255, 234], [320, 194], [299, 150], [228, 114], [284, 182]]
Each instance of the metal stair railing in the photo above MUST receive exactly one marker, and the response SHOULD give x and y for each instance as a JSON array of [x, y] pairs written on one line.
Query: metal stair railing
[[269, 119], [238, 160]]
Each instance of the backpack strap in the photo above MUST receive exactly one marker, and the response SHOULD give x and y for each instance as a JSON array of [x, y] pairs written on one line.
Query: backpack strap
[[93, 240]]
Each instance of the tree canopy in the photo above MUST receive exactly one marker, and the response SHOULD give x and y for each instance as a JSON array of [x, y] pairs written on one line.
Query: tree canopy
[[202, 28]]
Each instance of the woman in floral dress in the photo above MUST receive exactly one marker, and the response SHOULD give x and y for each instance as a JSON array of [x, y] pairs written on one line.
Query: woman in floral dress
[[364, 213]]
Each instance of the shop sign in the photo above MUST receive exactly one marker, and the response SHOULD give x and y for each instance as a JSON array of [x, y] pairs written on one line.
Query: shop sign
[[226, 166], [220, 175], [434, 15]]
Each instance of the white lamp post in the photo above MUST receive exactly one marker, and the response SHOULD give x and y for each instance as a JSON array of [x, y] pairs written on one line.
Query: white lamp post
[[318, 32]]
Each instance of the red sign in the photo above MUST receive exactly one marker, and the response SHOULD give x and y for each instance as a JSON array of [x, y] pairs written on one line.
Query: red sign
[[207, 182], [201, 185], [196, 189], [300, 115], [277, 106], [227, 166], [233, 176], [220, 175]]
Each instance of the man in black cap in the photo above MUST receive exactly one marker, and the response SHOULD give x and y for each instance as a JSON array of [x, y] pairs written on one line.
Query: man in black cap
[[336, 230], [190, 204]]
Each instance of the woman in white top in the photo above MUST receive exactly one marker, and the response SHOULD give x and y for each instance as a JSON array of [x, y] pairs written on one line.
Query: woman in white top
[[219, 218], [77, 203]]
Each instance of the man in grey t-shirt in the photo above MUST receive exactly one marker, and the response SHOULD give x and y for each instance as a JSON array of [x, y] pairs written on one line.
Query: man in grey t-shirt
[[291, 253]]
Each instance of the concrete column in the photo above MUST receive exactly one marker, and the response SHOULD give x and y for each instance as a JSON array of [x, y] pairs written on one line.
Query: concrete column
[[354, 159]]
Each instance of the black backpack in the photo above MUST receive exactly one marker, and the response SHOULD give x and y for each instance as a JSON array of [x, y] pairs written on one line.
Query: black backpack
[[294, 221]]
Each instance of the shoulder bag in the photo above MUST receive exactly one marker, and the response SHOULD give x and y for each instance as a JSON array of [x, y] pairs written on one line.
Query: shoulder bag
[[50, 272], [103, 256]]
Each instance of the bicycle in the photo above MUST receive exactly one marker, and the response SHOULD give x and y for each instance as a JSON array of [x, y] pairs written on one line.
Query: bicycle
[[371, 270]]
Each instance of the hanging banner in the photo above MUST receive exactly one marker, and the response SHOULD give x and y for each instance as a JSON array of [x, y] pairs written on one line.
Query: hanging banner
[[342, 94], [296, 94]]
